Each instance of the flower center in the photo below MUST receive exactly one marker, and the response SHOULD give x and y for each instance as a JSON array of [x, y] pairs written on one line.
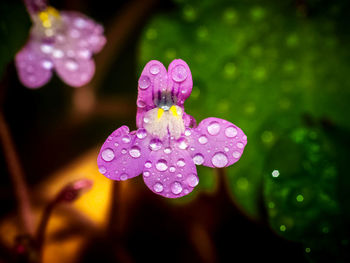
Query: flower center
[[164, 120], [47, 22]]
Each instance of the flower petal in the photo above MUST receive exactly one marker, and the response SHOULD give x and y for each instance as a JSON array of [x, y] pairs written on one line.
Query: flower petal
[[74, 71], [34, 68], [83, 31], [216, 143], [170, 172], [123, 154], [180, 80], [152, 81]]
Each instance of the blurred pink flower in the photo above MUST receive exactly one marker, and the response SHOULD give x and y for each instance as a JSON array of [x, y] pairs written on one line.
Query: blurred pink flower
[[167, 147], [64, 41]]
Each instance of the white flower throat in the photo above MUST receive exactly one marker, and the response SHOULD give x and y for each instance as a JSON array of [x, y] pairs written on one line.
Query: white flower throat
[[163, 121]]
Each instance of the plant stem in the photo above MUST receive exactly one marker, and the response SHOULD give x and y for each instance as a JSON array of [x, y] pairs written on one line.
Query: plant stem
[[17, 177]]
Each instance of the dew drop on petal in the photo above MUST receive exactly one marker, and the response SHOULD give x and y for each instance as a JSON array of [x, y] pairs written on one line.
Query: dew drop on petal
[[231, 132], [154, 69], [240, 145], [135, 152], [181, 162], [182, 143], [179, 175], [141, 104], [172, 169], [203, 139], [176, 188], [192, 180], [236, 154], [213, 128], [107, 155], [71, 65], [123, 177], [226, 149], [123, 151], [146, 174], [141, 133], [167, 150], [187, 132], [145, 120], [198, 159], [45, 48], [57, 53], [158, 187], [179, 73], [148, 164], [155, 144], [46, 64], [161, 165], [219, 160], [102, 170], [126, 139], [144, 82]]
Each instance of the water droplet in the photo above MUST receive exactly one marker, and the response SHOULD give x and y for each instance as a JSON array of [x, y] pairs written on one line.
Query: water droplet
[[46, 48], [176, 188], [146, 174], [154, 69], [57, 53], [187, 132], [46, 64], [198, 159], [161, 165], [179, 73], [71, 65], [145, 120], [167, 150], [181, 162], [213, 128], [141, 133], [203, 139], [107, 155], [123, 177], [124, 151], [172, 169], [144, 82], [192, 180], [231, 132], [219, 160], [155, 144], [240, 145], [182, 143], [148, 164], [141, 104], [236, 154], [158, 187], [275, 173], [135, 152], [179, 175], [226, 149], [126, 139], [102, 170]]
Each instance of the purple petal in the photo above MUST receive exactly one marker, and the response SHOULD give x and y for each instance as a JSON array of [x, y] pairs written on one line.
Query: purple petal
[[170, 172], [153, 80], [216, 143], [33, 67], [124, 154], [74, 71], [180, 80], [85, 32]]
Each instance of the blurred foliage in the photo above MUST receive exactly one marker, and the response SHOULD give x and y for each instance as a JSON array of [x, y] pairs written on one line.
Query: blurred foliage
[[14, 30], [264, 65]]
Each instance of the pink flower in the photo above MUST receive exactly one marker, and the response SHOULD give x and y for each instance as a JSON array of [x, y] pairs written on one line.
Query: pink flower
[[63, 40], [165, 148]]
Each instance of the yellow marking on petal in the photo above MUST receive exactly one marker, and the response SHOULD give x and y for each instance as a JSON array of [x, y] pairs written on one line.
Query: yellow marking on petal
[[160, 113], [52, 11], [174, 111]]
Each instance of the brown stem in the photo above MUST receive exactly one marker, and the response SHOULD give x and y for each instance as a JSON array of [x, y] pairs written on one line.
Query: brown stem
[[17, 177]]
